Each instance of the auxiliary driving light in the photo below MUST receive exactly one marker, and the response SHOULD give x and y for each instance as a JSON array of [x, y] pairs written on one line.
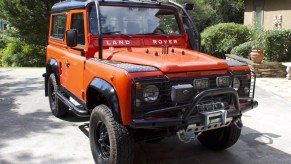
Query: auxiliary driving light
[[201, 83], [223, 81]]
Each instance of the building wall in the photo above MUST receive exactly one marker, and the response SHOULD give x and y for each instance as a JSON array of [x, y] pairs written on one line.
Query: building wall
[[272, 9], [249, 12], [277, 8]]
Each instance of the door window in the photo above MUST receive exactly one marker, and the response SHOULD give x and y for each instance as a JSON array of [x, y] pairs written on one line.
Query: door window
[[58, 26], [77, 23]]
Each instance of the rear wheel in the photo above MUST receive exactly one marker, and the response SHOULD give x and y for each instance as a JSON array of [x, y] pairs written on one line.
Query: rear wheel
[[58, 108], [222, 138], [110, 141]]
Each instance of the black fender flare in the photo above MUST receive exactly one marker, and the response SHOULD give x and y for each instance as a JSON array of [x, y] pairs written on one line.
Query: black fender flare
[[108, 91], [51, 67]]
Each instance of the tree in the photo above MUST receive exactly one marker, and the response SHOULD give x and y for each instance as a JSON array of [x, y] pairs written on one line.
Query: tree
[[210, 12], [30, 18]]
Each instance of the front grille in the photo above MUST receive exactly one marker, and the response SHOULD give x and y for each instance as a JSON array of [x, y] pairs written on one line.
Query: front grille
[[164, 84]]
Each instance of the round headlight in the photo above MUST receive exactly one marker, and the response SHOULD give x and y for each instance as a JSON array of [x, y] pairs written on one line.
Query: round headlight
[[236, 83], [151, 93]]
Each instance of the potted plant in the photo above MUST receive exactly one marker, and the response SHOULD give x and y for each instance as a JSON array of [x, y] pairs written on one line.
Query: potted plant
[[258, 41]]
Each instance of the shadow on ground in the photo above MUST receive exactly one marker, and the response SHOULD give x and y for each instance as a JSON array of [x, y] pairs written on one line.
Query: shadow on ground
[[247, 150], [14, 123], [18, 123], [252, 144]]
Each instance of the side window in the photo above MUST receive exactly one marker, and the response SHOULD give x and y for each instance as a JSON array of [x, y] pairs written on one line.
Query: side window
[[58, 26], [77, 23]]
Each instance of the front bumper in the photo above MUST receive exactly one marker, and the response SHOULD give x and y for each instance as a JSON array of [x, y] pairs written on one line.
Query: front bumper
[[186, 118]]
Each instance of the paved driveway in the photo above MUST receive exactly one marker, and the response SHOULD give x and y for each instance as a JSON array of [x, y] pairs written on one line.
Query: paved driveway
[[30, 134]]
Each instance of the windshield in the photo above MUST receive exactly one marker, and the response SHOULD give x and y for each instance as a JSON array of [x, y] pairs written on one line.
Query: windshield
[[134, 20]]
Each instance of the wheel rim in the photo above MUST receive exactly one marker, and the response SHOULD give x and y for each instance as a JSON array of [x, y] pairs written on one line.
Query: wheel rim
[[52, 96], [102, 141]]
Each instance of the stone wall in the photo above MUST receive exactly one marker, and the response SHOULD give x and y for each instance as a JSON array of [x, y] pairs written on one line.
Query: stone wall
[[272, 69], [269, 70]]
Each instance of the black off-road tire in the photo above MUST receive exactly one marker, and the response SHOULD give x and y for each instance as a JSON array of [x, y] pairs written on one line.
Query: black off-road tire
[[220, 139], [58, 108], [111, 142]]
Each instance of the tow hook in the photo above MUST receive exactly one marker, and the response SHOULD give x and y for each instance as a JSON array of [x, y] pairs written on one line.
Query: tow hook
[[238, 123], [186, 136]]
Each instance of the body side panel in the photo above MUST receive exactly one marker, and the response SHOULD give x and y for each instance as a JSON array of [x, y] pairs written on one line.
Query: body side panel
[[117, 78]]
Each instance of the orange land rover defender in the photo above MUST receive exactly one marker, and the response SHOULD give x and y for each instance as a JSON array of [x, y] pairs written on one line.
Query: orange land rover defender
[[135, 68]]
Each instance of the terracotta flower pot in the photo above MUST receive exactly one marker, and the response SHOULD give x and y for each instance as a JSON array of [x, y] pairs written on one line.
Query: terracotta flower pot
[[257, 56]]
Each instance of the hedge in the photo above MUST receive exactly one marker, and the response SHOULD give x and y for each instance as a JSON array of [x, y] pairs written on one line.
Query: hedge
[[243, 50], [278, 45], [220, 39]]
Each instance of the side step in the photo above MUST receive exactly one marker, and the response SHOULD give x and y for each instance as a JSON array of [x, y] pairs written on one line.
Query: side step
[[75, 109]]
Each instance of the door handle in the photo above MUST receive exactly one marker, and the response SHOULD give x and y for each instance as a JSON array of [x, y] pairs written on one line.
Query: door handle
[[67, 64]]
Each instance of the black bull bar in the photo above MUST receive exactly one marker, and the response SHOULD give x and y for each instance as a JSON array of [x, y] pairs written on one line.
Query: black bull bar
[[186, 117]]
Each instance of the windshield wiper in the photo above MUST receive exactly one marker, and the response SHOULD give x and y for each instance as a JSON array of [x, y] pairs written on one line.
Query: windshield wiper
[[154, 33], [116, 32]]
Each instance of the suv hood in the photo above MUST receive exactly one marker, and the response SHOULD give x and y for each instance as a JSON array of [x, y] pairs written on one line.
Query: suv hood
[[176, 60]]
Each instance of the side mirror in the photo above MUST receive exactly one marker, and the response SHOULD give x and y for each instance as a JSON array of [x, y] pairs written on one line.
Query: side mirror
[[72, 37], [189, 6]]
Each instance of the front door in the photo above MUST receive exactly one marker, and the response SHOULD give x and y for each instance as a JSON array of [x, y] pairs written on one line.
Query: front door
[[74, 60]]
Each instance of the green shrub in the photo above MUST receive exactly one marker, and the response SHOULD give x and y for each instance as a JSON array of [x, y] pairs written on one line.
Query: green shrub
[[258, 38], [20, 54], [2, 42], [278, 45], [243, 50], [1, 52], [2, 45], [220, 39]]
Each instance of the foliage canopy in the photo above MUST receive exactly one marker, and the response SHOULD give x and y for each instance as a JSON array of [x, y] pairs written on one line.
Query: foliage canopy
[[210, 12], [29, 17]]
